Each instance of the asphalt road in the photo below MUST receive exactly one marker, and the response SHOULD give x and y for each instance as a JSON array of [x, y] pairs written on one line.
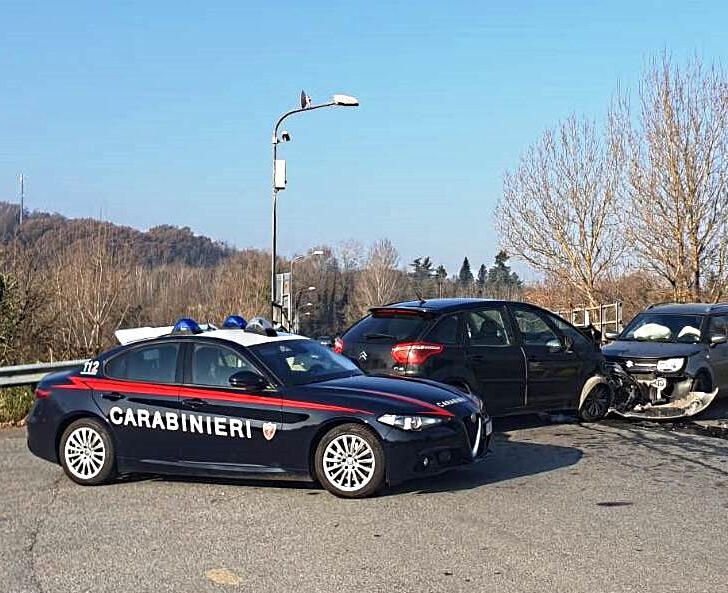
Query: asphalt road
[[608, 507]]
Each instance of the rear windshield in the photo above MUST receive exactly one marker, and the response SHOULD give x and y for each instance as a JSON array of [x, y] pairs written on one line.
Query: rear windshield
[[386, 327]]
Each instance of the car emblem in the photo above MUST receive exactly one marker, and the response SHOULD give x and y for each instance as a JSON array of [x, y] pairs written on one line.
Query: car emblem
[[629, 364], [269, 430], [362, 355]]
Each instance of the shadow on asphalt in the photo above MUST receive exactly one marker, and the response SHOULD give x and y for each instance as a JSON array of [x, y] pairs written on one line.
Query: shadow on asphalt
[[509, 459]]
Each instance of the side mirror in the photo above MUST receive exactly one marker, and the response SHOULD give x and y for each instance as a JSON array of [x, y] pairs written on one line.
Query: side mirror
[[718, 339], [248, 380], [564, 344], [611, 336]]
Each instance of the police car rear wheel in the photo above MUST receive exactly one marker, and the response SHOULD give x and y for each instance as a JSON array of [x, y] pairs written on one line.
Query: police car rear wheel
[[87, 452], [349, 461]]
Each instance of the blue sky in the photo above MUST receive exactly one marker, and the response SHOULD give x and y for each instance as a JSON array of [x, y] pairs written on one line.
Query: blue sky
[[161, 112]]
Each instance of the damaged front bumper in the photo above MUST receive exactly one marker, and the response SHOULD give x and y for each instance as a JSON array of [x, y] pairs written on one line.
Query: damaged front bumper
[[655, 397]]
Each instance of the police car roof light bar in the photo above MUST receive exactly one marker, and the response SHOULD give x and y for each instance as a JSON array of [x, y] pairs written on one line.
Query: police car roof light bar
[[234, 322], [186, 326], [260, 325]]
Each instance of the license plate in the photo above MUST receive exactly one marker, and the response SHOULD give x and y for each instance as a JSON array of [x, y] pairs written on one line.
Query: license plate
[[488, 427]]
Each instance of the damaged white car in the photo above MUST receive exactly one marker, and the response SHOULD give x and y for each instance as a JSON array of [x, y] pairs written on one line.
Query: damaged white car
[[670, 362]]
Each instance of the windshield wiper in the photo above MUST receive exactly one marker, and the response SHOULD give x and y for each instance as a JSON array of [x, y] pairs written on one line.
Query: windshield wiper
[[378, 335]]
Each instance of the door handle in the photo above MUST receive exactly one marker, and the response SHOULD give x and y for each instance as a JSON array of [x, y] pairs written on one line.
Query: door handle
[[478, 357], [114, 396], [193, 402]]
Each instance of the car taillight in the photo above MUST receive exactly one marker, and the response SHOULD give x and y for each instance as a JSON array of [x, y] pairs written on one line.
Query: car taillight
[[42, 393], [415, 352], [338, 345]]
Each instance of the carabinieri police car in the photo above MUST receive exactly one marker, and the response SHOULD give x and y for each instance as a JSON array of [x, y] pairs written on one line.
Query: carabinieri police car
[[247, 401]]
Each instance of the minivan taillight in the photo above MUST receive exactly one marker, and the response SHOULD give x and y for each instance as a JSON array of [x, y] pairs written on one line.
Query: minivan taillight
[[338, 345], [415, 352], [42, 393]]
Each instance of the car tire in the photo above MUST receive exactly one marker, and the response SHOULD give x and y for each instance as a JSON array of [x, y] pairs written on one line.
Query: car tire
[[349, 461], [596, 404], [702, 383], [86, 452]]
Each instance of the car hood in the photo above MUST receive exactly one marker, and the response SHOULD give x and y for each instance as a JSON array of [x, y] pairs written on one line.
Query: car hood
[[390, 395], [624, 349]]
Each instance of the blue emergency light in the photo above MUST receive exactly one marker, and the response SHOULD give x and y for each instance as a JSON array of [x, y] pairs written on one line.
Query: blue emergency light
[[186, 326], [234, 322]]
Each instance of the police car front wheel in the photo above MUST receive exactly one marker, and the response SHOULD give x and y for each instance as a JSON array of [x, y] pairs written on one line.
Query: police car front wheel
[[86, 452], [349, 461]]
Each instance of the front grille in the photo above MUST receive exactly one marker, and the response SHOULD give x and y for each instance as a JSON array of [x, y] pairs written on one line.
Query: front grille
[[471, 429], [636, 365]]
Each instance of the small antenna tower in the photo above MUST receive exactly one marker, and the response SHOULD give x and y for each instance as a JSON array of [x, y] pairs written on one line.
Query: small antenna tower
[[22, 199]]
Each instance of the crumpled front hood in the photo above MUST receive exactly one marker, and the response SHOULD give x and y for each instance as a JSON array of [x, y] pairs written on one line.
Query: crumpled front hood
[[625, 349]]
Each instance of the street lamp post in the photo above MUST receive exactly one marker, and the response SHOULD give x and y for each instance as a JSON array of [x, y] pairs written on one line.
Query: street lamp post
[[297, 298], [290, 280], [279, 180]]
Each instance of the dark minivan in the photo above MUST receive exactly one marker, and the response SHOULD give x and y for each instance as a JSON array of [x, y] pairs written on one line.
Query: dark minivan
[[517, 357]]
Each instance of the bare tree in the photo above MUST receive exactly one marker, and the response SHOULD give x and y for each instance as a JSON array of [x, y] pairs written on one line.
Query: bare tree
[[92, 293], [678, 177], [560, 210], [380, 280]]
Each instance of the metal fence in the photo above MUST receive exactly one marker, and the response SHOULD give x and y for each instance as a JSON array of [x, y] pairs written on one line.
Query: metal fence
[[30, 374], [602, 317]]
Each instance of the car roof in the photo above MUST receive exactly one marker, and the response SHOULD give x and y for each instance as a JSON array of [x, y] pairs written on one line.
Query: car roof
[[688, 308], [246, 338], [441, 305]]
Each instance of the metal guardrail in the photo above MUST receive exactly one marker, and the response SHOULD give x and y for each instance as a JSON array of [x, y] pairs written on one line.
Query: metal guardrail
[[29, 374]]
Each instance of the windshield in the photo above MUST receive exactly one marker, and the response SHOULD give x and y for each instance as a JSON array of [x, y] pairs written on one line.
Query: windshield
[[656, 327], [299, 362]]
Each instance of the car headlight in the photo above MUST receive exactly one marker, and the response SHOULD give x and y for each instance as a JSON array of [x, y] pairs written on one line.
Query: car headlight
[[410, 422], [670, 365]]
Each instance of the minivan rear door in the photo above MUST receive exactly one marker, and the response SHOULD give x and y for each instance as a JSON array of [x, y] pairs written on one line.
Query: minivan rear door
[[369, 342]]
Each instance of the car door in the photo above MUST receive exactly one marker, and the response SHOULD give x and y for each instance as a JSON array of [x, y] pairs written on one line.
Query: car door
[[553, 371], [495, 359], [139, 393], [226, 427], [718, 326]]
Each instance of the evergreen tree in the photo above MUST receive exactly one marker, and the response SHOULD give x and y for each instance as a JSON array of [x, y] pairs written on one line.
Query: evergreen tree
[[482, 278], [501, 281], [465, 277], [421, 268]]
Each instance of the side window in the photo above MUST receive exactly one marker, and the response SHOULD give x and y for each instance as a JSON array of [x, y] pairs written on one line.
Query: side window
[[534, 328], [580, 340], [445, 330], [153, 364], [718, 326], [214, 365], [486, 327]]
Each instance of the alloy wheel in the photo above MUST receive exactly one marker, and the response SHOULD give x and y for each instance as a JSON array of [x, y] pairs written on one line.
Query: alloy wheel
[[348, 462], [84, 453]]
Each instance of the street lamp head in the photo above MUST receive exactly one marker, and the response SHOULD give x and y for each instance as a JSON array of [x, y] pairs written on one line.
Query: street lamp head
[[305, 100], [346, 100]]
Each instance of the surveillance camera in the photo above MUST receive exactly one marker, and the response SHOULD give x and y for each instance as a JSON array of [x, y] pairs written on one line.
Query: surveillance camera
[[285, 136]]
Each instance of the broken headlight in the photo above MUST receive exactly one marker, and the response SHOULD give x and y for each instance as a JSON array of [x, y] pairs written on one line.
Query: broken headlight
[[670, 365]]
